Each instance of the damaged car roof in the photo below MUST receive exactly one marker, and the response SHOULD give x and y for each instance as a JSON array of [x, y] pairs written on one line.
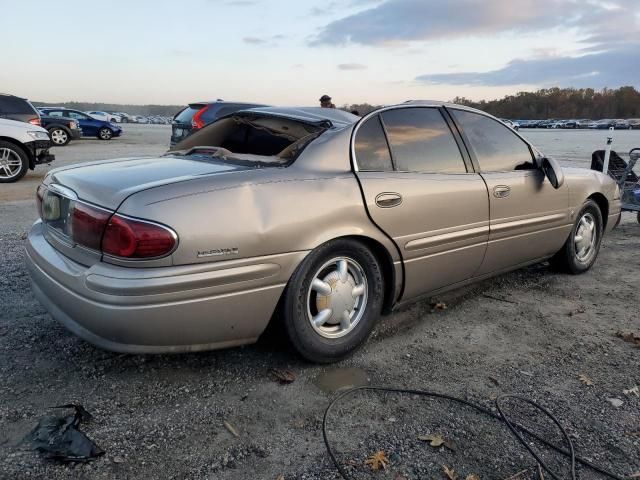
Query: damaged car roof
[[338, 118]]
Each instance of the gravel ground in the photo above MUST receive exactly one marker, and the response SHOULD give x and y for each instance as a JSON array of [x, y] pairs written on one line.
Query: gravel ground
[[532, 332]]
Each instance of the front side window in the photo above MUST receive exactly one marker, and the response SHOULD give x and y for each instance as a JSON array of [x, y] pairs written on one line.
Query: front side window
[[421, 141], [55, 113], [76, 115], [372, 151], [497, 147]]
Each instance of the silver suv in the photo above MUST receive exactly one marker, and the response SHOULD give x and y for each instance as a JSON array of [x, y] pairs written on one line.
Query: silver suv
[[22, 147]]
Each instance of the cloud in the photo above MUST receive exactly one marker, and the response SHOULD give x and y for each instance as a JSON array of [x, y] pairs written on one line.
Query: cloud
[[240, 3], [607, 31], [352, 66], [615, 67], [401, 21], [254, 40]]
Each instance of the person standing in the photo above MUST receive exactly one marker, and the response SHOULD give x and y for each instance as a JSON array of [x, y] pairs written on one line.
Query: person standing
[[325, 102]]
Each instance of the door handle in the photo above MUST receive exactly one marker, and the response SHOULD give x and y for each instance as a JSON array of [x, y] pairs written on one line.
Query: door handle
[[501, 191], [388, 199]]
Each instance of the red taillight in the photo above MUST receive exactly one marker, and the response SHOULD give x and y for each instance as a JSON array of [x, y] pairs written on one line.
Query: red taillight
[[128, 238], [87, 225], [197, 121], [35, 121]]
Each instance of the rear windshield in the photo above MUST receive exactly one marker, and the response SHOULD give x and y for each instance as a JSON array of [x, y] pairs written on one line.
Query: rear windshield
[[251, 139], [15, 105], [187, 114]]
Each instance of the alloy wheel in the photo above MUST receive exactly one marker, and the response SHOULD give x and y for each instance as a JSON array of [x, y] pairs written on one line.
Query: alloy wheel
[[105, 134], [337, 297], [59, 137], [10, 163]]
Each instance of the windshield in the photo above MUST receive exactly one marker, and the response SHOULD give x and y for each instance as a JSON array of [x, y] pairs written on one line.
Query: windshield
[[251, 139]]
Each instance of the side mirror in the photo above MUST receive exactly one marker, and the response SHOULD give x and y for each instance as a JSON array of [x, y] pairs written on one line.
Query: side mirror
[[553, 171]]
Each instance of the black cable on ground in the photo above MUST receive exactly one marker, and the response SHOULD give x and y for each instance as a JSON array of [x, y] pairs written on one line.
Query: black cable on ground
[[515, 428]]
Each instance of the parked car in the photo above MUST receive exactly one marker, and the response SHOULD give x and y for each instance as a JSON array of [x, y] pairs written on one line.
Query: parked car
[[22, 147], [105, 116], [602, 124], [510, 124], [18, 108], [621, 124], [124, 117], [198, 114], [140, 119], [303, 215], [61, 129], [91, 127], [583, 123], [634, 123]]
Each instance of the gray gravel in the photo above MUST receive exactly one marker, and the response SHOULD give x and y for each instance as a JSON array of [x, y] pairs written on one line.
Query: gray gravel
[[162, 416]]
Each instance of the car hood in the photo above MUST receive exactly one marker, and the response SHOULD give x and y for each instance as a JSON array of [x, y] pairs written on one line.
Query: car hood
[[108, 183]]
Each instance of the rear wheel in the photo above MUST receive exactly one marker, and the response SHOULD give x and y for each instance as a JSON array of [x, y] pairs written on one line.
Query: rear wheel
[[333, 300], [581, 249], [59, 136], [14, 162], [105, 133]]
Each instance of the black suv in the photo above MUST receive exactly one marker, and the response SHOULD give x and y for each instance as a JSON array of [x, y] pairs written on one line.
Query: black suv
[[61, 130], [198, 114], [17, 108]]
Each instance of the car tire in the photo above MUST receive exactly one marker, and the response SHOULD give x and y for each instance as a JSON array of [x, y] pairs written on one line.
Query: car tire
[[59, 136], [339, 275], [105, 133], [14, 162], [581, 249]]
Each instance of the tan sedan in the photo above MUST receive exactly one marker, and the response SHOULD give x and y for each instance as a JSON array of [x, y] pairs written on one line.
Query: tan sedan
[[312, 217]]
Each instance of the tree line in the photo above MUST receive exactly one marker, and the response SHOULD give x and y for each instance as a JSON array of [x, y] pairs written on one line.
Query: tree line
[[623, 102]]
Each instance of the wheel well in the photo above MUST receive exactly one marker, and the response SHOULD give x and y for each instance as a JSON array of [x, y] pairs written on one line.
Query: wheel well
[[386, 262], [56, 125], [603, 204], [32, 162]]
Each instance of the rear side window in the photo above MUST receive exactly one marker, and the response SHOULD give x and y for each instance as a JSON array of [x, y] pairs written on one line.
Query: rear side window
[[9, 104], [497, 147], [187, 114], [421, 141], [372, 151]]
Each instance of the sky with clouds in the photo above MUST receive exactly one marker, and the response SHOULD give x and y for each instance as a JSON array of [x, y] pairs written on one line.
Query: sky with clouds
[[291, 52]]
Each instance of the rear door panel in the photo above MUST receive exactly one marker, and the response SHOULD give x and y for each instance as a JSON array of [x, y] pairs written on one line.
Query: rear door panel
[[438, 219], [441, 227]]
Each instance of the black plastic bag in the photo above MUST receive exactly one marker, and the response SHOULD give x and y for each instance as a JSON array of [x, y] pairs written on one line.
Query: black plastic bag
[[59, 438]]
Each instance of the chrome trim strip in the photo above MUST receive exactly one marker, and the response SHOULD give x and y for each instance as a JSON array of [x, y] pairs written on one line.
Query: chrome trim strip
[[482, 244], [445, 238], [61, 190], [528, 222]]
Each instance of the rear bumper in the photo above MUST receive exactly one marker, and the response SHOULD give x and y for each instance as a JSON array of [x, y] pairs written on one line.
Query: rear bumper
[[159, 310], [76, 133]]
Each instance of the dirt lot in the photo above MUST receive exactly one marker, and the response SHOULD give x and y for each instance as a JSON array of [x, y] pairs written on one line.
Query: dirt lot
[[532, 332]]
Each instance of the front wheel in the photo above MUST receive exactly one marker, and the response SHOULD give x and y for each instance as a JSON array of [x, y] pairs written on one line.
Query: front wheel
[[105, 133], [59, 136], [581, 249], [14, 162], [333, 300]]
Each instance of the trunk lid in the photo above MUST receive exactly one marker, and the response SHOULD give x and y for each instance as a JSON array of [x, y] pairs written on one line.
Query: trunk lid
[[109, 183]]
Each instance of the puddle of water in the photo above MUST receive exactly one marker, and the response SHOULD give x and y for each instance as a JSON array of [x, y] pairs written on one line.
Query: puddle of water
[[340, 379]]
